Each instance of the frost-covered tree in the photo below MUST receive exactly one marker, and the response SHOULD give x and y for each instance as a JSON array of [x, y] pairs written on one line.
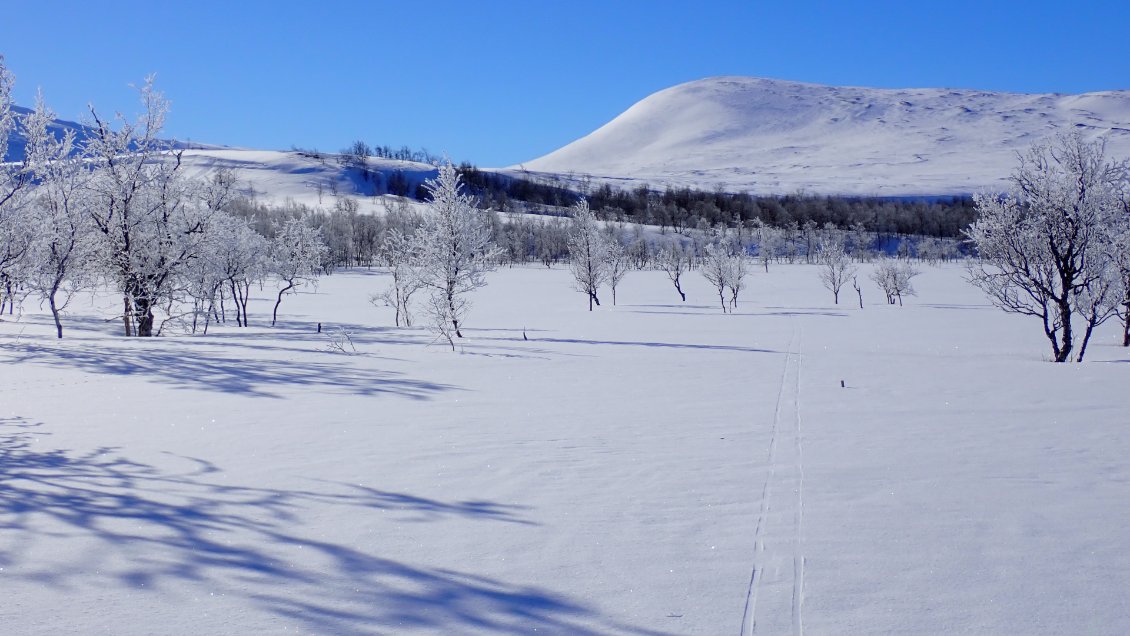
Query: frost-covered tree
[[836, 268], [716, 270], [588, 252], [894, 277], [739, 268], [244, 260], [62, 244], [770, 242], [296, 256], [1041, 246], [674, 262], [455, 252], [400, 254], [725, 267], [15, 177], [149, 218], [619, 263], [1119, 251]]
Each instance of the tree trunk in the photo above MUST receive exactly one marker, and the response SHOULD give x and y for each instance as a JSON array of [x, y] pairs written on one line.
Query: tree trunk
[[1126, 317], [126, 311], [55, 312], [275, 313], [1086, 339], [144, 313], [454, 320], [1066, 337], [244, 298]]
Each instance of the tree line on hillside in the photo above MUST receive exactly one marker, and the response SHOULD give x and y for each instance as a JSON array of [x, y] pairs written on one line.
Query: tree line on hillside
[[687, 208], [681, 209]]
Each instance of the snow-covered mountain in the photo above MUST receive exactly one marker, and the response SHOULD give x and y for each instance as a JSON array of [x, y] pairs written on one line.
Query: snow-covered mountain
[[771, 136]]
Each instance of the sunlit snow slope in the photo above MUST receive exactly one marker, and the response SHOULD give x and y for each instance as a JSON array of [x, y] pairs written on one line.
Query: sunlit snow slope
[[771, 136], [272, 176]]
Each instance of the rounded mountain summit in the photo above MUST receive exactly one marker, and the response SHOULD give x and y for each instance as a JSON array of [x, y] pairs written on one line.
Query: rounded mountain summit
[[778, 137]]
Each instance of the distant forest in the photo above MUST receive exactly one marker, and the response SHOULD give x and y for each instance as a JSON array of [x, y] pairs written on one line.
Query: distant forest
[[683, 209], [686, 208]]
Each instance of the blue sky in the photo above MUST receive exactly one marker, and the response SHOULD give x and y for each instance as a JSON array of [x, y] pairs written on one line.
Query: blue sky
[[497, 83]]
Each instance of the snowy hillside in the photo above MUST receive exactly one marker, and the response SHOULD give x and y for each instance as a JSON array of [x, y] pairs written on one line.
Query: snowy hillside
[[270, 175], [771, 136], [275, 176]]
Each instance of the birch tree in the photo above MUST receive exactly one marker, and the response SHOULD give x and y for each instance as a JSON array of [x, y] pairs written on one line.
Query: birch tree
[[296, 258], [149, 219], [588, 252], [63, 244], [455, 252], [619, 263], [836, 268], [1041, 245]]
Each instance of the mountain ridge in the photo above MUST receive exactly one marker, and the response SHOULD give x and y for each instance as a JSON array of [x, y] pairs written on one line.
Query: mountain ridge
[[771, 136]]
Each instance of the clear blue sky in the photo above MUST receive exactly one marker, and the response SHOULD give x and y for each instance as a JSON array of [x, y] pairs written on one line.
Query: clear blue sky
[[498, 83]]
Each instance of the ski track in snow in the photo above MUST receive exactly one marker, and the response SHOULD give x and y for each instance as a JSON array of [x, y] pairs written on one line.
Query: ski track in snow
[[778, 535]]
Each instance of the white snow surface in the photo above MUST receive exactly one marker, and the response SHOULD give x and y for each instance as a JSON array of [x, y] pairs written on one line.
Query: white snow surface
[[274, 176], [655, 467], [779, 137]]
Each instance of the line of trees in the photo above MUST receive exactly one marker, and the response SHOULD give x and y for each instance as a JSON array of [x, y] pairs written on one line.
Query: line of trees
[[116, 209], [682, 209]]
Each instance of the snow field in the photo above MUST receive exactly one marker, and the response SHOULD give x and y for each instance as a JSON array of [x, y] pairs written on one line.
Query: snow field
[[623, 471]]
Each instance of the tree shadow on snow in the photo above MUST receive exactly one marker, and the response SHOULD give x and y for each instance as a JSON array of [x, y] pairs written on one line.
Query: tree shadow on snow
[[629, 343], [716, 310], [224, 374], [153, 527]]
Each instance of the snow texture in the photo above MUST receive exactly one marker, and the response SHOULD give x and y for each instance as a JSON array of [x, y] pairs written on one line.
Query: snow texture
[[657, 467], [778, 137]]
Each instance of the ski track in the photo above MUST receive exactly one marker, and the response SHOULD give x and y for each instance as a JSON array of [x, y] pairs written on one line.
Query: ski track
[[779, 562]]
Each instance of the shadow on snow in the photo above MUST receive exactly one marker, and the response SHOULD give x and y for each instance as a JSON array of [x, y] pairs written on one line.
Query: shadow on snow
[[226, 374], [152, 527]]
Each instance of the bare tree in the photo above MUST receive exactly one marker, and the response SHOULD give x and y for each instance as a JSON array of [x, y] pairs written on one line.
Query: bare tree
[[836, 268], [588, 252], [619, 263], [716, 270], [150, 221], [1041, 246], [296, 258], [455, 251], [674, 262], [15, 177], [63, 246], [738, 266], [894, 277], [399, 253]]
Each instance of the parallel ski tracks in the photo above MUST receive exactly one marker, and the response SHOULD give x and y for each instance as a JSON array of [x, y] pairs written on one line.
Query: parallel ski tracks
[[775, 596]]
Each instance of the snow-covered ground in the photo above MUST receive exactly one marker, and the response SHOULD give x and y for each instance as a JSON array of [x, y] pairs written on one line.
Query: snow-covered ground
[[651, 468], [778, 137], [274, 176]]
